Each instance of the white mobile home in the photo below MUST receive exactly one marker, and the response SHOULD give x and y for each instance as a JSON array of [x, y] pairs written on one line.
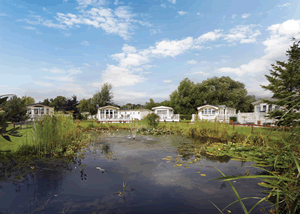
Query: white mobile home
[[38, 109], [211, 112], [114, 114], [166, 114]]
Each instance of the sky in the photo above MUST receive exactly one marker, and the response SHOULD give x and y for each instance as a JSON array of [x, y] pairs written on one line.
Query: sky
[[144, 48]]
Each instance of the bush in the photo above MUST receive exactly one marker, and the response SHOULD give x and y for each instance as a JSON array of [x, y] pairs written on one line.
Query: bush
[[234, 119], [185, 117], [152, 120]]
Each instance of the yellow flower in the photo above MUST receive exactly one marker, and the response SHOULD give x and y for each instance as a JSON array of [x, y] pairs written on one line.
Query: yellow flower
[[32, 167]]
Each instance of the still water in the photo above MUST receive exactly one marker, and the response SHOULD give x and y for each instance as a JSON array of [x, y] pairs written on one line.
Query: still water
[[147, 166]]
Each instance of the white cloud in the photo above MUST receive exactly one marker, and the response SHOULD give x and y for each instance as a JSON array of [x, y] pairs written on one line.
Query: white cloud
[[192, 62], [29, 27], [65, 0], [200, 72], [284, 5], [85, 43], [172, 1], [172, 48], [243, 34], [167, 80], [154, 31], [116, 2], [182, 12], [71, 87], [46, 84], [210, 36], [55, 70], [3, 14], [128, 49], [234, 15], [245, 15], [119, 21], [118, 76], [163, 5], [275, 49], [61, 78], [65, 78]]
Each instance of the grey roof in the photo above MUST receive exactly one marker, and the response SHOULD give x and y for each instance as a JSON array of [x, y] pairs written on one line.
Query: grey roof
[[261, 100], [40, 104]]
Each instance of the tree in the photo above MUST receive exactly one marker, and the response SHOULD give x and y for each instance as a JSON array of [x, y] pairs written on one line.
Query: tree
[[3, 121], [46, 102], [58, 103], [71, 106], [149, 105], [15, 109], [28, 100], [284, 82], [215, 91], [103, 97]]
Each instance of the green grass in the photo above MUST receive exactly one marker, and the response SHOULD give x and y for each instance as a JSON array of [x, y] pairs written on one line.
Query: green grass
[[16, 141]]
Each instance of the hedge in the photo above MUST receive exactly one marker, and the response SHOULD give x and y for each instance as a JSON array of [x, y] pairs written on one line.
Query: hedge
[[185, 117]]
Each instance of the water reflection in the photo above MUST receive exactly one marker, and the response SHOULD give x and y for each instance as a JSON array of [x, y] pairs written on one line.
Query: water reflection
[[148, 168]]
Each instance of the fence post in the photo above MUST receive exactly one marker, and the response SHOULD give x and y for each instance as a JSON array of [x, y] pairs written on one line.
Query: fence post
[[233, 126], [165, 122], [187, 123], [252, 129]]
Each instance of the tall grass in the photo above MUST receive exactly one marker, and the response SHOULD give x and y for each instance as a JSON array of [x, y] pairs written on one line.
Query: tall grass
[[51, 134], [282, 183]]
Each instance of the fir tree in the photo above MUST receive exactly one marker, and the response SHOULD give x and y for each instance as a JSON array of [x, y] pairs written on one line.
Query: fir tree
[[284, 81]]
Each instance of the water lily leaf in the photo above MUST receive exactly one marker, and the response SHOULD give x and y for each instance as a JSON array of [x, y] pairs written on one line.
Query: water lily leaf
[[198, 172], [179, 164], [168, 161], [165, 158], [189, 162], [203, 174]]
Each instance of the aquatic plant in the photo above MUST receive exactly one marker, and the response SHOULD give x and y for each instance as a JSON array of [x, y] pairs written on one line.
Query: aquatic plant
[[282, 184]]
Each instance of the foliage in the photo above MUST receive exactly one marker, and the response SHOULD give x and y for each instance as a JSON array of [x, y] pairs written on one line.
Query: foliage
[[71, 106], [15, 109], [152, 120], [215, 91], [151, 104], [46, 102], [28, 100], [103, 97], [185, 117], [3, 120], [131, 106], [284, 83], [58, 103], [234, 119], [52, 134]]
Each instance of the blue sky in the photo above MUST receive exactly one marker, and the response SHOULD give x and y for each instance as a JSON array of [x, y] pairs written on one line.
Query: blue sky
[[143, 48]]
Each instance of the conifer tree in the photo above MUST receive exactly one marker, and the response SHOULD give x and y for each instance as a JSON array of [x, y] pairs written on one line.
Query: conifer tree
[[284, 81]]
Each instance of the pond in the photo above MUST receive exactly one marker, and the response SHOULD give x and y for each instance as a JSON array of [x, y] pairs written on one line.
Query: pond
[[161, 175]]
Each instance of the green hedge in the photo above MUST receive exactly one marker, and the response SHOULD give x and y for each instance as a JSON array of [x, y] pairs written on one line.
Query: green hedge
[[185, 117], [234, 119]]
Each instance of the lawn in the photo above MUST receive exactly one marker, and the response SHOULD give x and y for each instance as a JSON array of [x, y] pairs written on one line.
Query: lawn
[[16, 141]]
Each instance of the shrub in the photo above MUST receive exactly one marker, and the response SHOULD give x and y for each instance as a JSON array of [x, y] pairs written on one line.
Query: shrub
[[234, 119], [152, 120], [185, 117]]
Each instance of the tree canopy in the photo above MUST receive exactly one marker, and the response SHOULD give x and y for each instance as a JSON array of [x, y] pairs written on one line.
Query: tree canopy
[[58, 103], [284, 82], [28, 100], [104, 96], [15, 109], [215, 91]]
